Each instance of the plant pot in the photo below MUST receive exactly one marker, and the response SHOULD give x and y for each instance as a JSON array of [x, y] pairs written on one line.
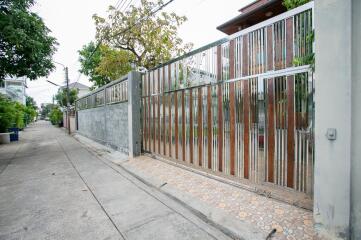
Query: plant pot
[[4, 138]]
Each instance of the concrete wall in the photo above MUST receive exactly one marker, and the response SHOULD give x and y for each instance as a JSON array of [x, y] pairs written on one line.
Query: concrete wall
[[356, 122], [108, 125], [337, 194], [116, 125]]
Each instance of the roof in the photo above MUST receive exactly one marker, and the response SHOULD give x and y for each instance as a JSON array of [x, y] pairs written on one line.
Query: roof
[[76, 85], [252, 14]]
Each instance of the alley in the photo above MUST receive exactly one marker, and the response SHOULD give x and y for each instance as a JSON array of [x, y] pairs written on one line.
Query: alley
[[51, 187]]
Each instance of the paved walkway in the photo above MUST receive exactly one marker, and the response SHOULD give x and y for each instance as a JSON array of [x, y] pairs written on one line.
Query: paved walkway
[[51, 187], [264, 213], [249, 208]]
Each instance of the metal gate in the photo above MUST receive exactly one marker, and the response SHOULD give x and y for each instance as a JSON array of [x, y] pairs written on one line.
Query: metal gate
[[240, 106]]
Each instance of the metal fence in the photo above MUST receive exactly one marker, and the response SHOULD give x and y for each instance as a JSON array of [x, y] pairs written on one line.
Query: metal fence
[[239, 106], [114, 92]]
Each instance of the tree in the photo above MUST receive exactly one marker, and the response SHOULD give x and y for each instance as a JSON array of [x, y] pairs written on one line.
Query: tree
[[114, 63], [55, 115], [61, 97], [26, 47], [103, 64], [45, 109], [150, 38], [89, 58], [30, 102]]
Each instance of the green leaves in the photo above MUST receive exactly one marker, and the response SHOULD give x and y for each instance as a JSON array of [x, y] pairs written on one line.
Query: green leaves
[[149, 38], [290, 4], [104, 64], [26, 47], [61, 96]]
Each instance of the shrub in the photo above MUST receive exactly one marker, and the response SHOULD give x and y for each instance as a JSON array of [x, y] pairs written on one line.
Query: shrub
[[56, 116], [7, 113]]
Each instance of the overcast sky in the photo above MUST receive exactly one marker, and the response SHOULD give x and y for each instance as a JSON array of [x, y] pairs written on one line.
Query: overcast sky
[[71, 23]]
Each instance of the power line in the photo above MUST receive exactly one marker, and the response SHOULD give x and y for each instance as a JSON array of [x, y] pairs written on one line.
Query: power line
[[135, 24], [130, 2]]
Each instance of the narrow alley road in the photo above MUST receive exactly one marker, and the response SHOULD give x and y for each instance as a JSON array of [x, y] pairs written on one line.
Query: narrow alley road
[[51, 187]]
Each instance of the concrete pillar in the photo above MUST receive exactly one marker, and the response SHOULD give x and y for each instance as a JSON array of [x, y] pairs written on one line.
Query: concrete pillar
[[338, 95], [356, 122], [134, 113]]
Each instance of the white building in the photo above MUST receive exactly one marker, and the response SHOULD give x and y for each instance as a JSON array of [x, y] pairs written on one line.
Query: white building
[[14, 88], [81, 88]]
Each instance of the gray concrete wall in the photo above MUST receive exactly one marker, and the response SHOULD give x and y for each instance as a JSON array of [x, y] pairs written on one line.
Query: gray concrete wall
[[333, 110], [107, 124], [116, 125], [337, 193], [356, 122]]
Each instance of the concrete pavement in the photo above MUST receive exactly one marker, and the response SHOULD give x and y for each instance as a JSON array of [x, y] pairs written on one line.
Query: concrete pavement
[[51, 187]]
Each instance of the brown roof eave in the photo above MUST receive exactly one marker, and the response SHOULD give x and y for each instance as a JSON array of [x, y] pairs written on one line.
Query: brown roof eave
[[243, 16]]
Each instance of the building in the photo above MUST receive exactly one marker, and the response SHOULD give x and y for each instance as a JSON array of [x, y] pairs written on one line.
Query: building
[[81, 88], [14, 88], [256, 12]]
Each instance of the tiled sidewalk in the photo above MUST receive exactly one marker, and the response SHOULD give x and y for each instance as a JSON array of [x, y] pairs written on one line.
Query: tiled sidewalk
[[264, 213]]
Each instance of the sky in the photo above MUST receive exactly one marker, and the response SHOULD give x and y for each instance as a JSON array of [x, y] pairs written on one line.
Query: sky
[[71, 24]]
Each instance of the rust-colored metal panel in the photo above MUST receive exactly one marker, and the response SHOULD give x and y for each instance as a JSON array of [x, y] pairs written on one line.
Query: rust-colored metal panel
[[232, 108], [154, 132], [270, 130], [209, 125], [170, 124], [289, 42], [200, 127], [163, 125], [290, 131], [144, 124], [220, 129], [176, 124], [269, 48], [232, 119], [183, 128], [158, 122], [169, 77], [246, 105], [149, 121], [245, 56], [191, 125]]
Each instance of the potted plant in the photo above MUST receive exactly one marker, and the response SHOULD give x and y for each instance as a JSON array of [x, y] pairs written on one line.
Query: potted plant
[[7, 117]]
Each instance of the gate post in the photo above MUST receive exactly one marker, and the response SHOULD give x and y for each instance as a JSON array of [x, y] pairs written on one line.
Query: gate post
[[134, 113]]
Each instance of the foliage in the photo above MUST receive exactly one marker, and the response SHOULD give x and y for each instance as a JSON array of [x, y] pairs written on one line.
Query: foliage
[[150, 38], [30, 102], [55, 115], [308, 59], [114, 63], [7, 111], [45, 109], [61, 96], [103, 64], [89, 58], [14, 114], [290, 4], [26, 47]]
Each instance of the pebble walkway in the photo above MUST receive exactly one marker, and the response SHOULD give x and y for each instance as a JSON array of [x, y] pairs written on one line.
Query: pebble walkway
[[292, 223]]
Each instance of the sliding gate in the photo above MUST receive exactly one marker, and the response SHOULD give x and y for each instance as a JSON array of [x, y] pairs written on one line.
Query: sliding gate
[[238, 107]]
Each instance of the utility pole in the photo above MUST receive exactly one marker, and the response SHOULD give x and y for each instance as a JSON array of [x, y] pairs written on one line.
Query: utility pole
[[67, 99]]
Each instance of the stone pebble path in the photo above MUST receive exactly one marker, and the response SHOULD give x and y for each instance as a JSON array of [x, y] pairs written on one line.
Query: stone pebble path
[[292, 223]]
